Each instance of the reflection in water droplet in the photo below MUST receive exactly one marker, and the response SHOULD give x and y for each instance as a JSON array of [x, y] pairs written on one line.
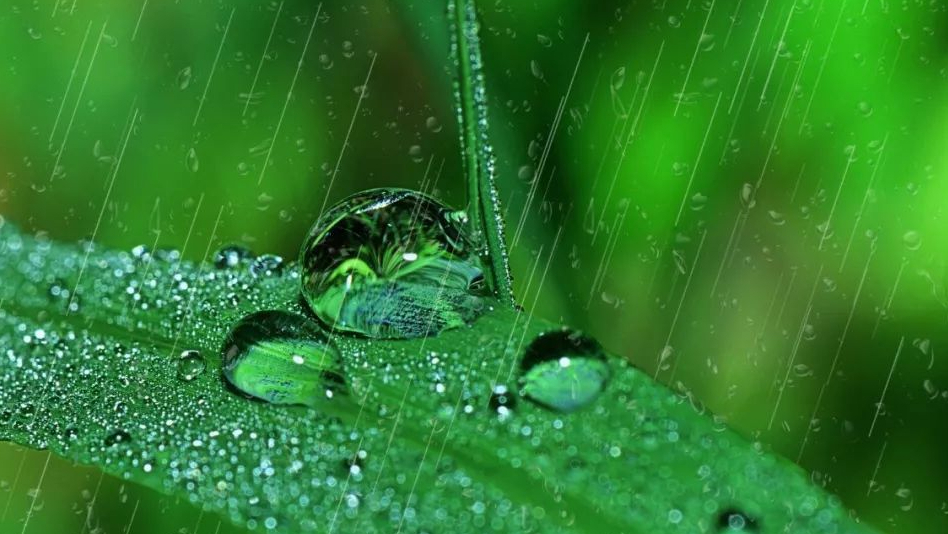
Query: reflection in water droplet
[[190, 365], [392, 263], [282, 358], [563, 371]]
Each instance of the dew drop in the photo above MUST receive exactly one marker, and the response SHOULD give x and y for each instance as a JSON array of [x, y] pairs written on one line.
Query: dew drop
[[416, 154], [282, 358], [392, 263], [191, 161], [118, 437], [183, 80], [190, 365], [912, 240], [267, 265], [230, 256], [563, 371], [433, 124]]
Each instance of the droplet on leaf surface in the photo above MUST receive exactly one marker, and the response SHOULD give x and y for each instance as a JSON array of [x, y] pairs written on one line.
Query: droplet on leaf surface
[[563, 370], [282, 358], [392, 263], [190, 365]]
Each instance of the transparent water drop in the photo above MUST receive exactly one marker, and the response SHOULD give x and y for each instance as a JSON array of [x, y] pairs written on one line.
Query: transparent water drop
[[912, 240], [230, 256], [183, 80], [116, 438], [392, 263], [698, 202], [267, 265], [433, 124], [282, 358], [191, 161], [190, 365], [502, 401], [563, 371], [415, 153], [544, 41]]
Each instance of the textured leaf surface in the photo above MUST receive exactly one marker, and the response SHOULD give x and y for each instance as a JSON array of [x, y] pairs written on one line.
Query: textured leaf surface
[[91, 341]]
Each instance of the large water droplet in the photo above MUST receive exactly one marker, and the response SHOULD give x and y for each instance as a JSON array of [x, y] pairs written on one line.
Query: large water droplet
[[392, 263], [563, 371], [282, 358]]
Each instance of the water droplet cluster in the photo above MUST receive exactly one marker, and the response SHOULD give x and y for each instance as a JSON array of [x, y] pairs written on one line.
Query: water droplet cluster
[[109, 386]]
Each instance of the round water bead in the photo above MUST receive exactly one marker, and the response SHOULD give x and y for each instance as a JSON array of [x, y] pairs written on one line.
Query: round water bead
[[190, 365], [230, 256], [563, 370], [282, 358], [392, 263]]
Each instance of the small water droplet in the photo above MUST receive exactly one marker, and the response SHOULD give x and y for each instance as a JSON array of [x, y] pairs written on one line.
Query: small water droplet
[[282, 358], [415, 153], [267, 265], [230, 256], [191, 161], [912, 240], [190, 365], [391, 263], [563, 371], [544, 41], [183, 80], [117, 438], [698, 202], [433, 124]]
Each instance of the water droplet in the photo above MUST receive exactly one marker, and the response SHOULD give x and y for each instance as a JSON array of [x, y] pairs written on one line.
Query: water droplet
[[544, 41], [117, 438], [191, 161], [674, 21], [392, 263], [282, 358], [735, 520], [747, 196], [912, 240], [433, 124], [190, 365], [563, 371], [415, 153], [230, 256], [698, 202], [777, 218], [183, 79], [267, 265], [347, 49], [501, 401]]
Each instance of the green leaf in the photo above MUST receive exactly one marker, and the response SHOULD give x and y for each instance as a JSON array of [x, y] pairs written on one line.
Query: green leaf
[[476, 151], [416, 440]]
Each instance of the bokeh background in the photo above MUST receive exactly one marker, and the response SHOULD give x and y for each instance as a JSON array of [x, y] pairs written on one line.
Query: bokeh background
[[746, 199]]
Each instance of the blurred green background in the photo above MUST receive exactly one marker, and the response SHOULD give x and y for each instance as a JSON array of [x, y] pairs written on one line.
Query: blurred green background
[[744, 198]]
